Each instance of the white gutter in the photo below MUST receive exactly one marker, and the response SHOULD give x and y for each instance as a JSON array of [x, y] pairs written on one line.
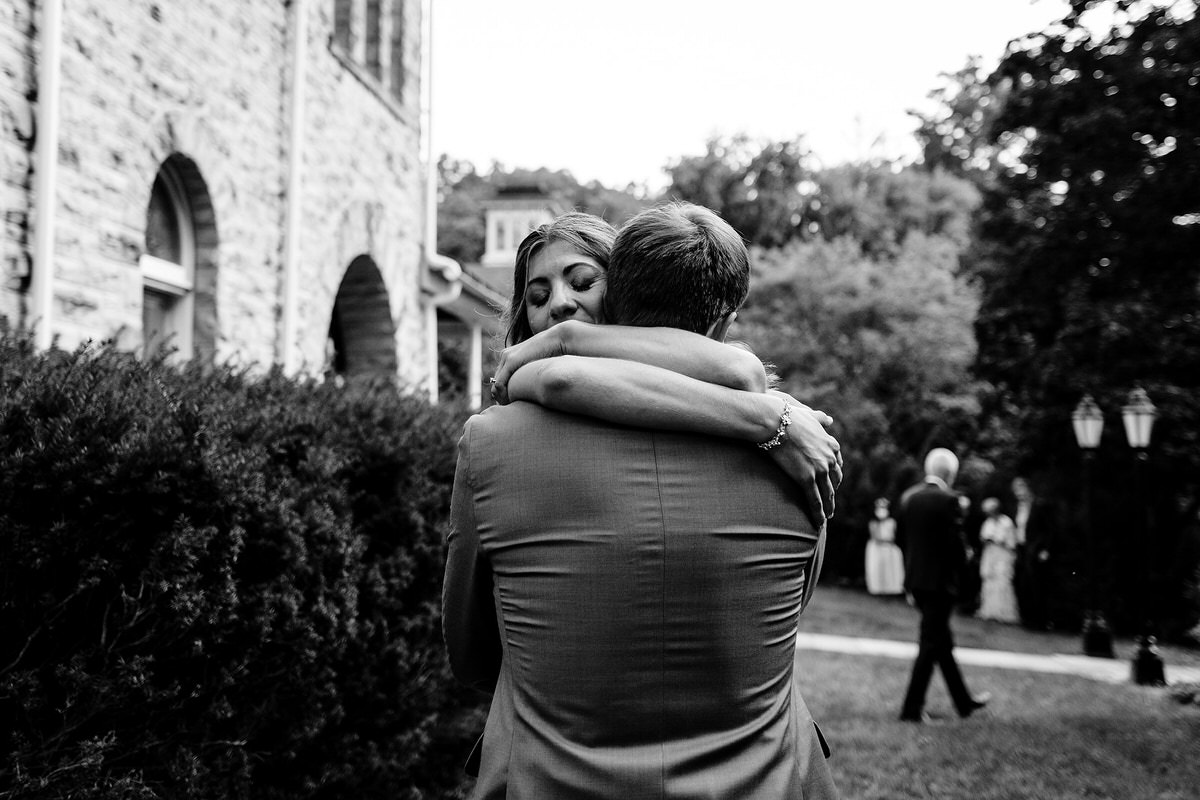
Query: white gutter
[[449, 268], [46, 173], [295, 199]]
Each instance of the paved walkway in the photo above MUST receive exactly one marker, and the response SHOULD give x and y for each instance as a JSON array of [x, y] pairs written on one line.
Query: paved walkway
[[1110, 670]]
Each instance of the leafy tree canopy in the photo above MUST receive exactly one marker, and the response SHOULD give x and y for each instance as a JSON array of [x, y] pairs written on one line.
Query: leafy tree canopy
[[762, 189], [954, 137], [879, 206], [1088, 241], [1087, 250], [772, 196], [884, 345]]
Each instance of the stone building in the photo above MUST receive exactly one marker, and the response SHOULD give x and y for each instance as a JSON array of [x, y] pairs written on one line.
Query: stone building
[[246, 181]]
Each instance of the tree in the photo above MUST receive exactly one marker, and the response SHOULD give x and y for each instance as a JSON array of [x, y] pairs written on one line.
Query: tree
[[461, 195], [760, 188], [879, 205], [884, 345], [1087, 246], [766, 191], [955, 136]]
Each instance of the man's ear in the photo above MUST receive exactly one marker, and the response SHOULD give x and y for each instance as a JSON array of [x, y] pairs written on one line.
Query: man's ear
[[720, 329]]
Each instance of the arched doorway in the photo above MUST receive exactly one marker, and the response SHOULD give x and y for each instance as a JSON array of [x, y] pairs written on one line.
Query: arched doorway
[[362, 336]]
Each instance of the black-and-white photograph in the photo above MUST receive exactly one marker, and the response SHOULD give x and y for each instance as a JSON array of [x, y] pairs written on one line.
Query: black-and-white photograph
[[659, 400]]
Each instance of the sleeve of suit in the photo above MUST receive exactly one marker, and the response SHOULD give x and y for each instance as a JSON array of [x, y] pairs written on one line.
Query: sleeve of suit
[[468, 609], [961, 546]]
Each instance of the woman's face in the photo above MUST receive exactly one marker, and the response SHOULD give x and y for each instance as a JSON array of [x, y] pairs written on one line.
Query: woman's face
[[563, 284]]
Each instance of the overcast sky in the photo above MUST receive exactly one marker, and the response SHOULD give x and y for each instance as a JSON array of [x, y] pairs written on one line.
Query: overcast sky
[[614, 90]]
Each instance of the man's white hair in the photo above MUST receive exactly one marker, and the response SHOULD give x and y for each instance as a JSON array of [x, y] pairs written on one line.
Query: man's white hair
[[942, 463]]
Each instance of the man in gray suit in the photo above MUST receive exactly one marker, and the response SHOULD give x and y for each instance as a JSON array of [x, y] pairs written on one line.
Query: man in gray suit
[[631, 597]]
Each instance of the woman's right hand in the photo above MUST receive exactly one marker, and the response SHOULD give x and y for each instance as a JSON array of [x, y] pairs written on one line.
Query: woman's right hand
[[810, 455], [547, 344]]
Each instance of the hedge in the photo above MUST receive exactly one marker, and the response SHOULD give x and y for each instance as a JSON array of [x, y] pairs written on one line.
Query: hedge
[[219, 585]]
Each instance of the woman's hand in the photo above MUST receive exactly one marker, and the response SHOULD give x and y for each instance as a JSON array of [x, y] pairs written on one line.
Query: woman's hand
[[810, 455], [547, 344]]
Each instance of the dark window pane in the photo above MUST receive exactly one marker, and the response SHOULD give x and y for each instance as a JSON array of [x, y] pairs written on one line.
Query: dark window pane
[[162, 224], [156, 320], [396, 64], [343, 27], [374, 30]]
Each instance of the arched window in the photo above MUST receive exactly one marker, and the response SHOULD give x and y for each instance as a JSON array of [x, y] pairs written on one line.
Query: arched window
[[168, 267]]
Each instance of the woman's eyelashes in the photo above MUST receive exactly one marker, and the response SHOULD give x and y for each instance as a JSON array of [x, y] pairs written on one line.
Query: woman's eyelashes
[[538, 296], [585, 278]]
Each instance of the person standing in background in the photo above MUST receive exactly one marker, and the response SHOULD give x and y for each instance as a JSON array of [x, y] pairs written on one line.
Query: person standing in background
[[884, 561], [936, 554], [1036, 533], [997, 566]]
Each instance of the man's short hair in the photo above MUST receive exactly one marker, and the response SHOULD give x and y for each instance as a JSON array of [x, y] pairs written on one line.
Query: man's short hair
[[676, 265], [942, 463]]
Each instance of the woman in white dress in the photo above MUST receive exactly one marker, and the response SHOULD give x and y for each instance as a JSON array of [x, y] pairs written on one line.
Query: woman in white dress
[[998, 599], [885, 562]]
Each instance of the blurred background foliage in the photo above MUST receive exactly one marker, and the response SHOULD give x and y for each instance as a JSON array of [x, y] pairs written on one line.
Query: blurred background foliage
[[1044, 246]]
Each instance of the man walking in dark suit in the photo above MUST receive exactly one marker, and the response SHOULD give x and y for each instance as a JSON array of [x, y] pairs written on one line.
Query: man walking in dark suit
[[936, 554]]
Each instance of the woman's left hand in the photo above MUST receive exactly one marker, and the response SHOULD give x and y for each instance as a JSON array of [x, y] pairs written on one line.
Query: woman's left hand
[[811, 456], [547, 344]]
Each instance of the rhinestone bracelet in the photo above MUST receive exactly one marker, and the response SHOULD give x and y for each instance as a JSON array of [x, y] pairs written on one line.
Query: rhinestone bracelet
[[785, 419]]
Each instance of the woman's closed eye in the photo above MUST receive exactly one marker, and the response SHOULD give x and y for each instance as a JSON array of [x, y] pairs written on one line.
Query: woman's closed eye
[[584, 277]]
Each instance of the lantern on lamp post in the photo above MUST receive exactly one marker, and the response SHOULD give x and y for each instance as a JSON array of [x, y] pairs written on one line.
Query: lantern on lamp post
[[1138, 415], [1088, 423]]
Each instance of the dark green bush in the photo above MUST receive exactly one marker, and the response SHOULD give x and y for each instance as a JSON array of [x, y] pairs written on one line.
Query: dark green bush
[[214, 585]]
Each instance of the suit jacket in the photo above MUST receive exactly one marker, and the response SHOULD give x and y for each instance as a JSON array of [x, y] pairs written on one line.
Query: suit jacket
[[1042, 529], [633, 597], [936, 552]]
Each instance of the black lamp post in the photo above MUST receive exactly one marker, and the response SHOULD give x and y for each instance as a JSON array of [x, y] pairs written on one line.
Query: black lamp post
[[1089, 424], [1138, 415]]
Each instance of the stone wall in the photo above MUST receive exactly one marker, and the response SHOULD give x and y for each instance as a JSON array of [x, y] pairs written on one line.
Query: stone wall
[[210, 80], [17, 68]]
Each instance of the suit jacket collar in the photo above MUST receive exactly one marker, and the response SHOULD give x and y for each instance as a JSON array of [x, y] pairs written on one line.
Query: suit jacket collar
[[934, 480]]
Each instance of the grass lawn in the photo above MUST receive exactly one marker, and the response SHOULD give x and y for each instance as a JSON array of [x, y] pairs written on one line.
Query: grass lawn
[[1043, 736], [853, 612]]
